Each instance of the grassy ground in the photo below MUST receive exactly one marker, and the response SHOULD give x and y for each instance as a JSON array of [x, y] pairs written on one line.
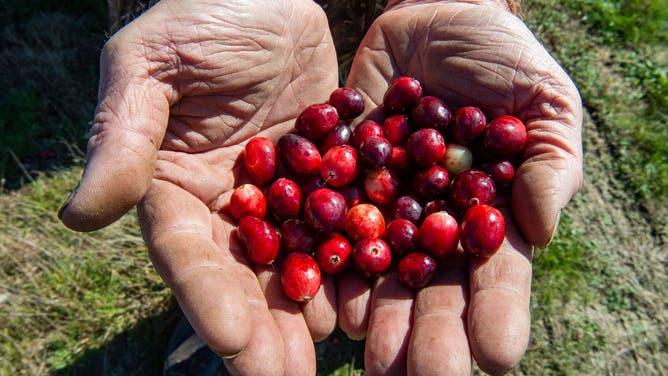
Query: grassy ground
[[92, 304]]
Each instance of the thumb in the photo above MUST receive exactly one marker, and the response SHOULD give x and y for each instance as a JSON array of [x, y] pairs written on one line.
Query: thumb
[[129, 125]]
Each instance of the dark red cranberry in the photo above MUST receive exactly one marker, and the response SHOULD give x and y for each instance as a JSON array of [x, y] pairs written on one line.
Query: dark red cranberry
[[505, 136], [339, 135], [299, 155], [334, 254], [399, 161], [260, 160], [425, 147], [339, 165], [439, 235], [432, 182], [372, 257], [431, 112], [402, 95], [396, 129], [382, 186], [483, 229], [500, 170], [259, 239], [316, 120], [472, 187], [312, 184], [467, 124], [297, 236], [284, 199], [353, 193], [364, 130], [375, 152], [348, 102], [364, 221], [438, 205], [247, 199], [407, 207], [325, 210], [416, 269], [402, 236], [300, 277]]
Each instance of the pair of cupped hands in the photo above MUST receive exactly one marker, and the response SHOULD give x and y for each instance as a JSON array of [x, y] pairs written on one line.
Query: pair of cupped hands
[[185, 85]]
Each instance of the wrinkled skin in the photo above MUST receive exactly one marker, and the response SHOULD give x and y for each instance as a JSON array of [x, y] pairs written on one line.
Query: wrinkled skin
[[185, 85], [472, 54]]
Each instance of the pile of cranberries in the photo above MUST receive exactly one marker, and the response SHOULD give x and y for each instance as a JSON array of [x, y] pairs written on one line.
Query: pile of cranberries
[[329, 197]]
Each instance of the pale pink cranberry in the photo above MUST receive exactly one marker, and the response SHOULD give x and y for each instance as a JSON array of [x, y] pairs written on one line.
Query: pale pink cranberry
[[364, 221]]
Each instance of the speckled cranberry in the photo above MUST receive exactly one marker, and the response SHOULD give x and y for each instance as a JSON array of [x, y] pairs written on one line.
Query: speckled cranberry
[[382, 186], [364, 221]]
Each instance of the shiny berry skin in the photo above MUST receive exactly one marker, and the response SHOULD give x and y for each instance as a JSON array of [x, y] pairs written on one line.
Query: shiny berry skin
[[500, 170], [399, 161], [375, 152], [482, 230], [300, 277], [339, 135], [416, 269], [259, 239], [402, 236], [312, 184], [247, 199], [260, 160], [348, 102], [364, 130], [372, 257], [382, 186], [425, 147], [402, 95], [284, 199], [438, 235], [364, 221], [325, 210], [467, 124], [354, 194], [299, 155], [431, 112], [339, 165], [316, 120], [334, 254], [397, 128], [432, 182], [438, 205], [297, 236], [457, 158], [407, 207], [505, 136], [472, 187]]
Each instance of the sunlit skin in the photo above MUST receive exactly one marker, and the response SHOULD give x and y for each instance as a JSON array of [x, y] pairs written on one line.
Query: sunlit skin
[[184, 87]]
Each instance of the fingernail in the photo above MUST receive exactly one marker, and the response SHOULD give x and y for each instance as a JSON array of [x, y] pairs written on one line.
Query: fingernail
[[67, 202], [231, 356], [554, 230]]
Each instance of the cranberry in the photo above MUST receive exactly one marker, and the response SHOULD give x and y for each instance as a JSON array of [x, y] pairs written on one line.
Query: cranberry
[[339, 135], [457, 158], [425, 147], [500, 170], [431, 112], [297, 236], [316, 120], [399, 161], [284, 199], [401, 236], [339, 165], [247, 199], [402, 95], [353, 194], [260, 160], [299, 155], [300, 277], [396, 129], [472, 187], [382, 186], [364, 221], [259, 239], [416, 269], [372, 257], [482, 230], [348, 102], [506, 135], [312, 184], [334, 254], [438, 205], [408, 208], [467, 124], [439, 235], [364, 130], [375, 152], [325, 210], [432, 182]]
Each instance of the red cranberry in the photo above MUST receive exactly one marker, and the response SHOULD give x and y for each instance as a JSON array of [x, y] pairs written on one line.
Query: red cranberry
[[348, 102], [339, 135], [334, 254], [260, 160], [316, 120], [467, 124], [259, 239], [482, 230], [299, 155], [402, 95], [312, 184], [284, 199], [431, 183], [353, 194], [382, 186], [500, 170], [364, 130], [408, 208], [372, 257], [438, 205], [247, 199], [425, 147], [431, 112], [472, 187], [364, 221], [300, 277], [439, 235], [396, 129], [506, 135], [416, 269], [399, 161], [325, 210], [402, 236], [375, 152], [297, 236], [339, 165], [457, 158]]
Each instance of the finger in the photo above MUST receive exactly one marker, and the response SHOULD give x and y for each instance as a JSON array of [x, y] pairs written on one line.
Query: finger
[[128, 128], [215, 292], [389, 327], [354, 304], [320, 312], [299, 348], [439, 343], [498, 317]]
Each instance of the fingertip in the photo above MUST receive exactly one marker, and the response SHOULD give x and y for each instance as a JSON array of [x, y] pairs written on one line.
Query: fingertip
[[320, 312], [354, 304]]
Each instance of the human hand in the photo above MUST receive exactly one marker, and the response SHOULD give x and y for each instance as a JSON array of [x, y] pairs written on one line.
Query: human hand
[[474, 53], [182, 89]]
